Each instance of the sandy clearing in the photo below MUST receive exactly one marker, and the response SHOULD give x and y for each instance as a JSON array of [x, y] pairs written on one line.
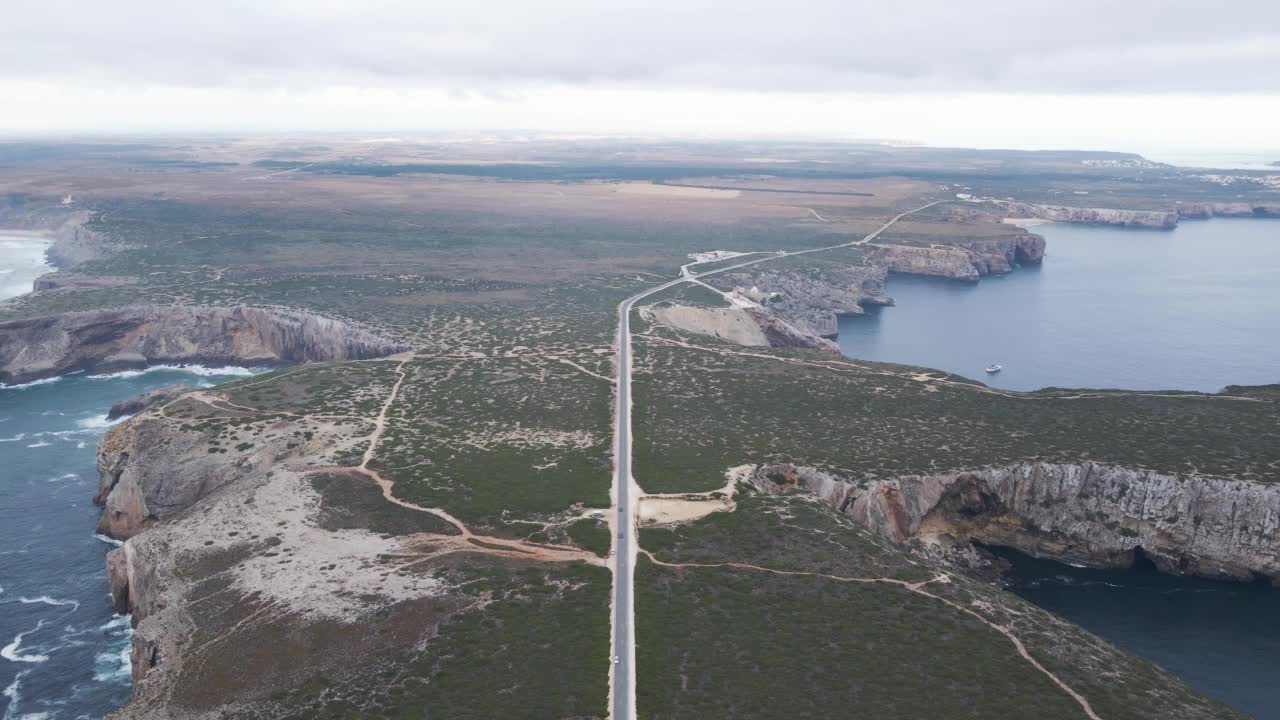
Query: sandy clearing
[[733, 324], [675, 508], [671, 511]]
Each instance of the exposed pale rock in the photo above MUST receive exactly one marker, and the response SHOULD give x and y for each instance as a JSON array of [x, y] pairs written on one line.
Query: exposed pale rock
[[751, 327], [134, 337], [1159, 219], [948, 262], [1235, 209], [812, 301], [1088, 513], [150, 468]]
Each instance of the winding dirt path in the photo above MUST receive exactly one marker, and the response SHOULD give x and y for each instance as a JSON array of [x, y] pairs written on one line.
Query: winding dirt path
[[465, 540], [918, 588]]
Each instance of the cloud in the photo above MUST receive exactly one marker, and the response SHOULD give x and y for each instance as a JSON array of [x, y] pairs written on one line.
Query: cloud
[[501, 47]]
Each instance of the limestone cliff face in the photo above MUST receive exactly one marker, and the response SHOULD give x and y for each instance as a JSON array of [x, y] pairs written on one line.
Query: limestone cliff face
[[150, 467], [73, 243], [947, 262], [134, 337], [965, 260], [1087, 513], [1157, 219], [1237, 209], [811, 301]]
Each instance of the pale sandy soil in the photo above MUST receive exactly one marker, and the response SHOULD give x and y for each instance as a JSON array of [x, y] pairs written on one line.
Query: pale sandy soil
[[673, 508], [732, 324]]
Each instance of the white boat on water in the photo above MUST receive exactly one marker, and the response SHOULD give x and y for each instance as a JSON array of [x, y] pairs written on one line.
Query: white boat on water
[[993, 369]]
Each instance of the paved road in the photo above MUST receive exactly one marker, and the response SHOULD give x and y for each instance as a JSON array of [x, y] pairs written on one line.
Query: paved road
[[624, 544], [623, 675]]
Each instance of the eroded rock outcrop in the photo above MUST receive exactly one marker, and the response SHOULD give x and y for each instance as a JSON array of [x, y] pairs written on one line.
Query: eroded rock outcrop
[[1232, 209], [138, 336], [811, 301], [138, 403], [151, 467], [1156, 219], [1087, 513], [965, 260]]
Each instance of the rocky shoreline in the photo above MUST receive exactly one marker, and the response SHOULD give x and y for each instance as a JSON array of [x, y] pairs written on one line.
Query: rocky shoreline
[[1087, 513], [786, 308], [135, 337]]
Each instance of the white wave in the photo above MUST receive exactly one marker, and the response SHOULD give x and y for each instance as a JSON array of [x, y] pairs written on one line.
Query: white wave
[[98, 422], [46, 600], [117, 665], [39, 444], [192, 369], [66, 476], [14, 694], [108, 540], [10, 652], [117, 622], [33, 383], [114, 665], [80, 445], [15, 438]]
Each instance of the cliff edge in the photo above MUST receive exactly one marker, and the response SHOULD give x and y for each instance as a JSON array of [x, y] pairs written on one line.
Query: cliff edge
[[135, 337], [1087, 513]]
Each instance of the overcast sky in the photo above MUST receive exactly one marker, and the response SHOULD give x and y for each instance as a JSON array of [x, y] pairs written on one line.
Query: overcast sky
[[981, 72]]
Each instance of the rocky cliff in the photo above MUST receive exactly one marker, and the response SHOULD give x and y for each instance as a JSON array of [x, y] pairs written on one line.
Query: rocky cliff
[[1156, 219], [1234, 209], [153, 467], [799, 308], [138, 336], [138, 403], [1086, 513], [965, 260], [73, 242], [811, 301]]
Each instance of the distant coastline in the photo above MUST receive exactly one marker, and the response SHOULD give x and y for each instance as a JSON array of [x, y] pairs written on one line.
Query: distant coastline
[[25, 256]]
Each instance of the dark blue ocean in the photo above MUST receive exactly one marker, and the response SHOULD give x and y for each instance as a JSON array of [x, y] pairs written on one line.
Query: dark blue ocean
[[1197, 308], [1193, 309], [63, 653]]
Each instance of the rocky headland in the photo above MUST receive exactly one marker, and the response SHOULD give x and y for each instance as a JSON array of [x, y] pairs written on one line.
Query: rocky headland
[[1232, 209], [963, 260], [138, 403], [1154, 219], [138, 336], [242, 545], [801, 307], [1087, 513], [811, 301]]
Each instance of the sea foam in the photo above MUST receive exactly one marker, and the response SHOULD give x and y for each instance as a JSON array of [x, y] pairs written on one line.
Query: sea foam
[[10, 652]]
